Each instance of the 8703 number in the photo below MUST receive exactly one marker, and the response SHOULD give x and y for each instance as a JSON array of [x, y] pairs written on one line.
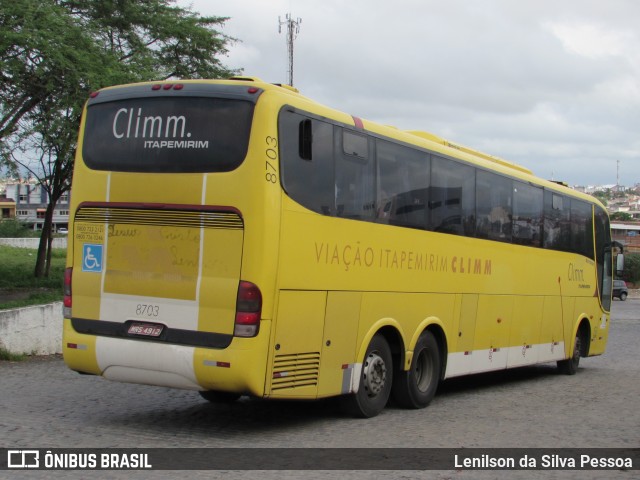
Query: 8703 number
[[147, 310], [271, 174]]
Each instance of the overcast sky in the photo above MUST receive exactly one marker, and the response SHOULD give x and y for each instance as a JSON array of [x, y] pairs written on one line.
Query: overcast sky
[[553, 85]]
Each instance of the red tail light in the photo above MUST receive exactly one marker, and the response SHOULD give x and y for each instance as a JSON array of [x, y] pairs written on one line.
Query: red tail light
[[66, 290], [248, 310]]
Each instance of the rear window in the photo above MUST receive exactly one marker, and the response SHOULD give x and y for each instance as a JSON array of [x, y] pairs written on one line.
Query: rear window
[[171, 134]]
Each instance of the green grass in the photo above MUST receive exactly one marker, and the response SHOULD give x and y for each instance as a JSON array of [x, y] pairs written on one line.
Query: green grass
[[18, 286], [11, 357]]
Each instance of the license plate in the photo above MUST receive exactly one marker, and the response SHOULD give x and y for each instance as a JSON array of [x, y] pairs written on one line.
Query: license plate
[[145, 329]]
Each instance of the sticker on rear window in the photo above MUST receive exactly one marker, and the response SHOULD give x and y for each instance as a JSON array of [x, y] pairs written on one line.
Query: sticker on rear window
[[92, 257]]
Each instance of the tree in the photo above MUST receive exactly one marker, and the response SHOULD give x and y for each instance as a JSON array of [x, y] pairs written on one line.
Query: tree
[[632, 267], [55, 52], [621, 216]]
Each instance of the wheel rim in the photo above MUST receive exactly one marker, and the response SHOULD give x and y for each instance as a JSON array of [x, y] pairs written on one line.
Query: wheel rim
[[423, 371], [374, 374]]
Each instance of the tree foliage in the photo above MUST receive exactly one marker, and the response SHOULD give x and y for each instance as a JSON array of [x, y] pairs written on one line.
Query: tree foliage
[[621, 216], [55, 52], [632, 267]]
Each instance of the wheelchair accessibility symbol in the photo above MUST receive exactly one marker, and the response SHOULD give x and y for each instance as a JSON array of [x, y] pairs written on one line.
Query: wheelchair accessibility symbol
[[92, 258]]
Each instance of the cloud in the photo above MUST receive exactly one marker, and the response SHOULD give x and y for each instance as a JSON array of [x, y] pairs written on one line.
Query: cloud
[[551, 85]]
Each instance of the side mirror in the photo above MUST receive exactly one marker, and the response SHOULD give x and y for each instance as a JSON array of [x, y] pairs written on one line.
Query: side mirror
[[619, 258]]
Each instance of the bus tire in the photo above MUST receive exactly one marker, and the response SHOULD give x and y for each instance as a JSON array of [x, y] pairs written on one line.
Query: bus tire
[[570, 365], [219, 397], [375, 381], [416, 387]]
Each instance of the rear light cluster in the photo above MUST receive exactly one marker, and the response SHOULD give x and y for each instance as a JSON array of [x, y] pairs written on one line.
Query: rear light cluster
[[248, 310], [66, 309], [167, 86]]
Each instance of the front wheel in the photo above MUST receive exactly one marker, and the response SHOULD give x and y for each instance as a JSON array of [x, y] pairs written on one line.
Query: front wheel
[[416, 387], [375, 381], [623, 296], [570, 366]]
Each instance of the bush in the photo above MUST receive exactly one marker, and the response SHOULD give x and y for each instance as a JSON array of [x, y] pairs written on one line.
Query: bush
[[12, 228], [632, 267]]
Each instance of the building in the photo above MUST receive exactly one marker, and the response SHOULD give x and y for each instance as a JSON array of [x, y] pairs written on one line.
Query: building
[[628, 234], [7, 207], [30, 202]]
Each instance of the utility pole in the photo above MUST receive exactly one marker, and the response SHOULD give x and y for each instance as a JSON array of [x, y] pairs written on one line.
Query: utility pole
[[293, 28]]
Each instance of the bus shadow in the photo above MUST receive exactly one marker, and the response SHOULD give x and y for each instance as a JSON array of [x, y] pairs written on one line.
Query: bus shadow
[[491, 380], [201, 420]]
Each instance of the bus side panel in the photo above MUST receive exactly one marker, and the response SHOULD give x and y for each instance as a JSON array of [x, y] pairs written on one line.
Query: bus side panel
[[297, 344], [460, 358], [552, 330], [493, 326], [337, 365], [599, 333], [525, 331], [588, 307]]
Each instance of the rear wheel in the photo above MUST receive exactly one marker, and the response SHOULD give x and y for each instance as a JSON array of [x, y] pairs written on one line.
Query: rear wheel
[[375, 381], [219, 397], [416, 387], [623, 296], [570, 366]]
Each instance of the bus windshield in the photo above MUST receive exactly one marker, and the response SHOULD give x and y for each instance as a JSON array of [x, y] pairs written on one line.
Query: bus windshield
[[167, 134]]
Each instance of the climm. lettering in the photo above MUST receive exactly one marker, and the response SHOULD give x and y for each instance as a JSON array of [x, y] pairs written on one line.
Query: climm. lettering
[[129, 124], [474, 266]]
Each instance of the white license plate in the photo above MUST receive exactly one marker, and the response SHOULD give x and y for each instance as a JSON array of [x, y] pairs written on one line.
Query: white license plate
[[146, 329]]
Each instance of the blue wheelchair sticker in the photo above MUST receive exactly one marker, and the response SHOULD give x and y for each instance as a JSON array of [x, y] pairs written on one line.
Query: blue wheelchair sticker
[[92, 257]]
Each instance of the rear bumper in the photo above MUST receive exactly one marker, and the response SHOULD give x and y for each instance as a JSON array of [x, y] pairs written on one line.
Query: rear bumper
[[239, 368]]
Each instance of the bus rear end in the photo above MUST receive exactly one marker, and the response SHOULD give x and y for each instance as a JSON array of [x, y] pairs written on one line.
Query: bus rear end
[[155, 289]]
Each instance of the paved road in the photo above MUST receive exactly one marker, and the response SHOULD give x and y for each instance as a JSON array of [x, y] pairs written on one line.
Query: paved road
[[45, 405]]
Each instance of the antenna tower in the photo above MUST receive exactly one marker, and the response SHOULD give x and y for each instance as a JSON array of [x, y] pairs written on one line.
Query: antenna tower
[[293, 28]]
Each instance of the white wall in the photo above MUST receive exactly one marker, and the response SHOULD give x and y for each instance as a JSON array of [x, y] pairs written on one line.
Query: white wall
[[58, 242], [32, 330]]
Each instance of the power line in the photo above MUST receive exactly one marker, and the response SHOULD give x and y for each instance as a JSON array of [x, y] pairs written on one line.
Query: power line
[[293, 28]]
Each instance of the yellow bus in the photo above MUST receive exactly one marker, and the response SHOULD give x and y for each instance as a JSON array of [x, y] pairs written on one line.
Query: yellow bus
[[234, 237]]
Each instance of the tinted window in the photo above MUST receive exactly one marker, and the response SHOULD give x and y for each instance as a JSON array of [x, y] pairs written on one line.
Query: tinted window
[[581, 228], [310, 182], [451, 197], [354, 179], [557, 225], [172, 134], [603, 256], [527, 214], [403, 185], [493, 204]]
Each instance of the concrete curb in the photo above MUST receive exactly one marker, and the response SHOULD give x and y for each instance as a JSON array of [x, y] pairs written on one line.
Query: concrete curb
[[32, 330]]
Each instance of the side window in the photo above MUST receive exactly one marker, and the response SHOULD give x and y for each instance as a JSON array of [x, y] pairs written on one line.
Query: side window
[[452, 197], [527, 214], [403, 175], [306, 157], [603, 257], [581, 228], [355, 177], [557, 225], [493, 207]]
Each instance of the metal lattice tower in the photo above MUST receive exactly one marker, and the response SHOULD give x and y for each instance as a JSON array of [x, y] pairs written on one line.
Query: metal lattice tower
[[293, 28]]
